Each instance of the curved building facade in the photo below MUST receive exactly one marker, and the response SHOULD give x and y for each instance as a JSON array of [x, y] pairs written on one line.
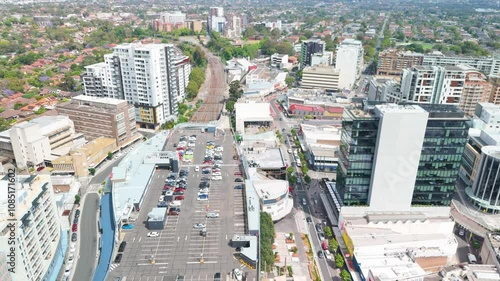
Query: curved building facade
[[485, 192]]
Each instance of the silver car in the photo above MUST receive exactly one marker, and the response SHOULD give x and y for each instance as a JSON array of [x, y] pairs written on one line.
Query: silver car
[[212, 215]]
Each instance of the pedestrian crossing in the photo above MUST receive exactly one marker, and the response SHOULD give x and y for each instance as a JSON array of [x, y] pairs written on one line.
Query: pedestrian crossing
[[113, 266]]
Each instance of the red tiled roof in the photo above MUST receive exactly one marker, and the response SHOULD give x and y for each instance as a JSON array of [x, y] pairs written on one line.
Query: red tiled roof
[[302, 107]]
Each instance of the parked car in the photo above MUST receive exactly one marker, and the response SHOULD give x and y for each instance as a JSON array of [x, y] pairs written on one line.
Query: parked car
[[240, 186], [237, 274], [153, 234], [180, 197], [178, 189], [161, 199], [212, 215], [217, 178], [173, 212], [202, 198], [238, 180], [179, 193], [320, 254], [127, 226], [197, 168], [77, 213], [309, 220], [74, 228], [162, 205], [122, 246], [238, 173], [324, 245], [73, 237], [199, 226], [118, 258], [217, 276], [319, 228]]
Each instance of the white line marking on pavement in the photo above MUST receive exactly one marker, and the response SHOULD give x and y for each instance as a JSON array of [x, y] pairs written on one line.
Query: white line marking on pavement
[[186, 238], [140, 238], [195, 262], [178, 238]]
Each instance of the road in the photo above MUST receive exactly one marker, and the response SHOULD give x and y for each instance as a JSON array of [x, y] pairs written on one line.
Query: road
[[88, 243], [381, 34], [316, 213]]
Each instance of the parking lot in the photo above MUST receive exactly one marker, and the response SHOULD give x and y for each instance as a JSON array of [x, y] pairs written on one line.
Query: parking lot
[[180, 249]]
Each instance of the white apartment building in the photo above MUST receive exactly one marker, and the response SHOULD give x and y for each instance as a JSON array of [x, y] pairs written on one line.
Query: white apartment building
[[39, 251], [490, 66], [349, 62], [183, 67], [142, 74], [383, 89], [41, 139], [173, 17], [97, 81], [321, 77], [433, 84], [279, 60]]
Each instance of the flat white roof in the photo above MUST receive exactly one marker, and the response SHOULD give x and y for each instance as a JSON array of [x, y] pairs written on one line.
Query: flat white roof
[[397, 267], [249, 111], [98, 100]]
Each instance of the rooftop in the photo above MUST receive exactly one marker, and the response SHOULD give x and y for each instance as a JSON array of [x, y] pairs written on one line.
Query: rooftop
[[267, 158], [97, 100], [252, 206], [157, 214], [386, 267], [132, 175]]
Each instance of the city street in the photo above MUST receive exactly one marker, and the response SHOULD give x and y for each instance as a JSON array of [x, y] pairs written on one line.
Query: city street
[[87, 251]]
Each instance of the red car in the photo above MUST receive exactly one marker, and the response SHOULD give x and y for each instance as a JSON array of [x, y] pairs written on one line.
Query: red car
[[75, 227], [238, 173], [173, 212], [178, 189], [180, 197]]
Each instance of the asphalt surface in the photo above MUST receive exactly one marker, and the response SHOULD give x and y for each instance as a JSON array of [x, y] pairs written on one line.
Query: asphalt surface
[[88, 242], [179, 248]]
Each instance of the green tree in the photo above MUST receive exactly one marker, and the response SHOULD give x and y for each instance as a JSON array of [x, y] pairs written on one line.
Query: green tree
[[333, 245], [68, 83], [77, 199], [110, 155], [308, 34], [230, 105], [339, 260], [266, 241], [4, 124], [307, 178], [345, 275], [328, 232]]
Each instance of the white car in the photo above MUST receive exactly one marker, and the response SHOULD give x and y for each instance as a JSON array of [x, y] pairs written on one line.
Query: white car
[[217, 174], [199, 226], [202, 193], [191, 144], [219, 148], [217, 178], [72, 248], [212, 215], [67, 271], [237, 274], [188, 152], [197, 168], [219, 162], [153, 234], [71, 259], [161, 199], [202, 199]]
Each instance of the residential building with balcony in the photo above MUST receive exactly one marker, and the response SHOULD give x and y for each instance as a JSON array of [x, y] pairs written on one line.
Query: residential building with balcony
[[433, 84], [96, 117], [392, 62], [145, 76], [489, 66], [349, 62], [39, 243], [476, 90]]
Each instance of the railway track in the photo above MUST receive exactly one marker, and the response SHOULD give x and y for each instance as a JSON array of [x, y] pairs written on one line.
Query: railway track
[[213, 99]]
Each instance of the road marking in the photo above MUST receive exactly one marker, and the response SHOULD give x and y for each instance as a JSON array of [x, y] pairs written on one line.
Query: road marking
[[197, 262], [226, 236], [186, 238], [178, 237], [133, 240], [140, 238]]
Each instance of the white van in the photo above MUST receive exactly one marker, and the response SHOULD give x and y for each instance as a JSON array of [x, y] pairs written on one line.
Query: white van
[[176, 203], [328, 255], [212, 215]]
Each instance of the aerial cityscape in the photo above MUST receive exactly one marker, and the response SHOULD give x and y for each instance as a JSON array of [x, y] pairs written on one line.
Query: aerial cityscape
[[249, 140]]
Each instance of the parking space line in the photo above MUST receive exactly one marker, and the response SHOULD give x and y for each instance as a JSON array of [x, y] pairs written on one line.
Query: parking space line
[[197, 262]]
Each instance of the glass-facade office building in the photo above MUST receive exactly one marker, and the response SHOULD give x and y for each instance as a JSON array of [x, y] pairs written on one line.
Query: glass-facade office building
[[438, 166]]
